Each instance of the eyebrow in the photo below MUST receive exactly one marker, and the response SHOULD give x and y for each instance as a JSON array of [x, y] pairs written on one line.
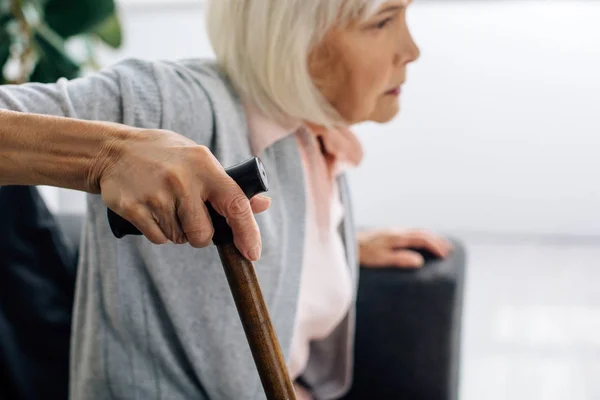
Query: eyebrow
[[390, 9]]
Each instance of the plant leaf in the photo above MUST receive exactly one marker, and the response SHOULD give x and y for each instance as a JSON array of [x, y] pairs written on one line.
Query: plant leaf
[[54, 63], [72, 17], [4, 55], [109, 31], [5, 43]]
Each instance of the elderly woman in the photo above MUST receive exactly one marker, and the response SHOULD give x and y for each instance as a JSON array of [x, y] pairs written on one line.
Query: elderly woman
[[290, 78]]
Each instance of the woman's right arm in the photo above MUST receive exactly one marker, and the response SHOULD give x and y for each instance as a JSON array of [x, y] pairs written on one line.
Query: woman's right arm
[[38, 149], [148, 176]]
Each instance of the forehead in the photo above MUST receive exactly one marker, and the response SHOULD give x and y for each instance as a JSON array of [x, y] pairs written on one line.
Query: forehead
[[373, 6]]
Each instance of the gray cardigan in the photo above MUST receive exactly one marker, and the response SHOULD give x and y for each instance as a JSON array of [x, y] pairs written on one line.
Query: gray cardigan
[[159, 322]]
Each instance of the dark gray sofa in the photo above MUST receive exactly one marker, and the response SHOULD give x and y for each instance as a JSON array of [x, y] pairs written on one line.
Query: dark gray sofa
[[408, 328]]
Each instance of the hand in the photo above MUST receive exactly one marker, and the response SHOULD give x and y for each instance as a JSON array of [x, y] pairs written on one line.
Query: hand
[[160, 180], [389, 248]]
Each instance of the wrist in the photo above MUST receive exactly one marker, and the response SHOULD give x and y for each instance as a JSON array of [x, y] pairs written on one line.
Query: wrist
[[114, 139]]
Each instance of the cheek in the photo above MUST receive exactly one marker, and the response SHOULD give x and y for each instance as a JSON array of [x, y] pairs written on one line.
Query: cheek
[[328, 71], [334, 76], [367, 79], [352, 87], [351, 76]]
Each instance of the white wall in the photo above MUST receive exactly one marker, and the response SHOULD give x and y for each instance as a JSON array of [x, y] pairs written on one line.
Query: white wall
[[500, 129], [501, 124]]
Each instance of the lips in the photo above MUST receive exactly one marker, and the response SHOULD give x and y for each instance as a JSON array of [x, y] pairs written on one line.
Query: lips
[[394, 92]]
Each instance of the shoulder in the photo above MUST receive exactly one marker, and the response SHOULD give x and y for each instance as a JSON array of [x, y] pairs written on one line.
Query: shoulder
[[186, 69], [198, 77], [192, 76], [204, 75], [193, 93]]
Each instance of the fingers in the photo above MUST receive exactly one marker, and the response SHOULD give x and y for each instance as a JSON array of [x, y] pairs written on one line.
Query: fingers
[[260, 203], [230, 201], [195, 221], [191, 222], [136, 213], [196, 225], [162, 210], [143, 220], [419, 239], [404, 259], [165, 179]]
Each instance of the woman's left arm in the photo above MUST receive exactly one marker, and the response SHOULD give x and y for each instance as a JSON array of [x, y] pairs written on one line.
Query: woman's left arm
[[399, 248]]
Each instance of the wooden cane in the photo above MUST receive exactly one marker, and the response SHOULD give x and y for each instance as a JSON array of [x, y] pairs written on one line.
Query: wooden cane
[[264, 345]]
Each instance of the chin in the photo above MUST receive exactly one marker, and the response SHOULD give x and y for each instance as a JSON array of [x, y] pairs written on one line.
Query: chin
[[385, 111], [381, 113], [387, 115]]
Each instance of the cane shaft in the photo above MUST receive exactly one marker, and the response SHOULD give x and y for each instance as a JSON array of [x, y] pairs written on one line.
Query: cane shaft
[[257, 324]]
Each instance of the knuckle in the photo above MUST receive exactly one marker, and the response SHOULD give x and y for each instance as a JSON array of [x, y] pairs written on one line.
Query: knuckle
[[391, 232], [203, 151], [204, 234], [421, 233], [130, 208], [201, 237], [237, 206], [156, 201], [203, 157], [174, 178]]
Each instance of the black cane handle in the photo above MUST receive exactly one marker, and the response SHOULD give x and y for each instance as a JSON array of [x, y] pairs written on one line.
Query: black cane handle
[[250, 176]]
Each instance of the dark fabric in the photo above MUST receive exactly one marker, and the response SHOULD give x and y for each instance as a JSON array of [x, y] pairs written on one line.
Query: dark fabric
[[408, 331], [37, 280], [71, 225], [408, 327]]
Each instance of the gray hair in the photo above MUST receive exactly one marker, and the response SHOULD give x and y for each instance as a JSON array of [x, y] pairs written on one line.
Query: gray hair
[[263, 47]]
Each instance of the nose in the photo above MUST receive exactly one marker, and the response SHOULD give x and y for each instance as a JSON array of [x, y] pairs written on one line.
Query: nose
[[413, 52], [408, 51]]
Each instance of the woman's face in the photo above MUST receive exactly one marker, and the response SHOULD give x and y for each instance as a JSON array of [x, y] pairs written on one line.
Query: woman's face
[[360, 68]]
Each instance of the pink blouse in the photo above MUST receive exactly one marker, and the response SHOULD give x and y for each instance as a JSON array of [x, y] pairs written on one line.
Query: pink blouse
[[326, 285]]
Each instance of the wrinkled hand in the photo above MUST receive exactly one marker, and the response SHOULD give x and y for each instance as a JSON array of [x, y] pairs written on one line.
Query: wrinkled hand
[[159, 180], [391, 248]]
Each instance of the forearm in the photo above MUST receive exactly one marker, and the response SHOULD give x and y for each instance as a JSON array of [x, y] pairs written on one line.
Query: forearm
[[45, 150]]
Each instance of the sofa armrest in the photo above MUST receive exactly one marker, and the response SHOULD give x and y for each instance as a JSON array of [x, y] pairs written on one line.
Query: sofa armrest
[[408, 331]]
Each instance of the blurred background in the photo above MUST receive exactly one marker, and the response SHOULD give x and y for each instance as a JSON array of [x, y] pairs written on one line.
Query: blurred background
[[498, 144]]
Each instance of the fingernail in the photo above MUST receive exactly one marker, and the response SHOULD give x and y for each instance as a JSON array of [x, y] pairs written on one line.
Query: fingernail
[[254, 254], [265, 198]]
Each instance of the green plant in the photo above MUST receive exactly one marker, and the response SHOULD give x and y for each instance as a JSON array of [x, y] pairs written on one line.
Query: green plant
[[36, 37]]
